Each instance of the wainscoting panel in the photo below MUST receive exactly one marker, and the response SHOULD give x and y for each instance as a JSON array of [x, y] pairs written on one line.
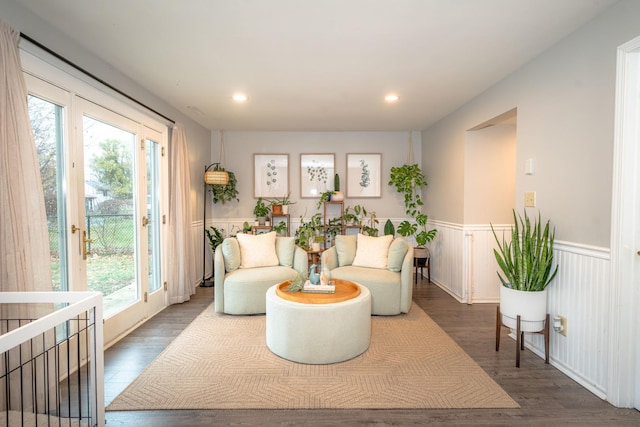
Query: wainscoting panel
[[447, 253], [463, 264], [580, 292]]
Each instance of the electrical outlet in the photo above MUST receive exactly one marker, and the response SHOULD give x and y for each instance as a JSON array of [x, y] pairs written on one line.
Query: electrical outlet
[[529, 199], [563, 322]]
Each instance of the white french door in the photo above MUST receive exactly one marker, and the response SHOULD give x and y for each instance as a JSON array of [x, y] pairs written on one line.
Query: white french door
[[103, 185]]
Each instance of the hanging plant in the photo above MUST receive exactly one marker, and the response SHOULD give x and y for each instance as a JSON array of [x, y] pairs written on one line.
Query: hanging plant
[[408, 180], [225, 193]]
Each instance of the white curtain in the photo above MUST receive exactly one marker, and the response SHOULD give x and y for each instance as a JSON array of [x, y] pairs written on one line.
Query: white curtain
[[24, 240], [182, 260]]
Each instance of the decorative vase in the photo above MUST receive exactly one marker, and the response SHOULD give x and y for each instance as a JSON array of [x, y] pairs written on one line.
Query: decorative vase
[[325, 275], [531, 306]]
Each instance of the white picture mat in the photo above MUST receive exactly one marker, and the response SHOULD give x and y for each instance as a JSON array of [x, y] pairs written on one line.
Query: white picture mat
[[271, 175], [364, 175], [317, 174]]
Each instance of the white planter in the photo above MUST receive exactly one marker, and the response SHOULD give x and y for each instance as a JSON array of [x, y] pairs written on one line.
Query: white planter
[[531, 306], [285, 209], [420, 252], [315, 246], [337, 197]]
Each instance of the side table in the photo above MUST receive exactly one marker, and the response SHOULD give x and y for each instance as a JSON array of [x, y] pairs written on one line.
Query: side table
[[422, 262]]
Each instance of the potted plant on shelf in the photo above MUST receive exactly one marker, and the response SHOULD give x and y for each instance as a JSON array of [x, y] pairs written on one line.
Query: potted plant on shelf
[[338, 195], [527, 264], [325, 197], [261, 211], [308, 231], [281, 206], [280, 228], [408, 180]]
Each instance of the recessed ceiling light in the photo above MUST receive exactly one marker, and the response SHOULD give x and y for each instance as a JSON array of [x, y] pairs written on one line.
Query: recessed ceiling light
[[239, 97], [391, 98]]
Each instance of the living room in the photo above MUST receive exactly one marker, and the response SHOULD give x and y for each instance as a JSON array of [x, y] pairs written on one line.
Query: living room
[[561, 107]]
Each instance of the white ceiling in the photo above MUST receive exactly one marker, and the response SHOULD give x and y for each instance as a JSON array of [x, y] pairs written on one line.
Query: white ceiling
[[316, 64]]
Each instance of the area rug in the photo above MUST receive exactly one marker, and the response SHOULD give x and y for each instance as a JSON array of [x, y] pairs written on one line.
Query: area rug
[[222, 362]]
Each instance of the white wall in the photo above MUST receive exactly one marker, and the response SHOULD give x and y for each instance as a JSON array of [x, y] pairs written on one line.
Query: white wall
[[490, 174], [565, 102], [565, 106]]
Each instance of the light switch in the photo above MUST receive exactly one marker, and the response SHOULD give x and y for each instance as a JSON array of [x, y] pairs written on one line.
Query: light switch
[[529, 199], [528, 167]]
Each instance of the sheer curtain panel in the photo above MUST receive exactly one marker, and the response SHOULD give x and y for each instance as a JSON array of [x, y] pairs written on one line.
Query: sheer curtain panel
[[24, 239], [181, 268]]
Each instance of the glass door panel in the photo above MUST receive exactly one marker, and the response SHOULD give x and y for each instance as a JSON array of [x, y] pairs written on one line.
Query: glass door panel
[[110, 213], [47, 124], [153, 214]]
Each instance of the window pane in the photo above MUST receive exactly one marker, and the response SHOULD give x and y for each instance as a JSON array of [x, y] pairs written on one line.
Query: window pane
[[153, 213], [46, 122], [109, 174]]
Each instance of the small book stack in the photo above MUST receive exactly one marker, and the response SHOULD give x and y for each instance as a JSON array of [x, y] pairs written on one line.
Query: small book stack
[[319, 289]]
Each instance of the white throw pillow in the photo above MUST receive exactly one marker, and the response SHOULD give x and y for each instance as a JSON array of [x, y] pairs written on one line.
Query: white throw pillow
[[257, 250], [372, 251]]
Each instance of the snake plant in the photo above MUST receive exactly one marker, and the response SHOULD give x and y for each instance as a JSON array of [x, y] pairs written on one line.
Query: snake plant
[[527, 260]]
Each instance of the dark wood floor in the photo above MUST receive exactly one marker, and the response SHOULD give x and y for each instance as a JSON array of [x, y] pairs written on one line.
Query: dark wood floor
[[546, 396]]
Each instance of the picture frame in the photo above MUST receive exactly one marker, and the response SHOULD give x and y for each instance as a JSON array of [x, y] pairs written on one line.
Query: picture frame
[[317, 174], [364, 175], [270, 175]]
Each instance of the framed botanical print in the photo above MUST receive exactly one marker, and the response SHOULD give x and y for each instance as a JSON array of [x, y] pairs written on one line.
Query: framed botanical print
[[364, 175], [317, 172], [270, 175]]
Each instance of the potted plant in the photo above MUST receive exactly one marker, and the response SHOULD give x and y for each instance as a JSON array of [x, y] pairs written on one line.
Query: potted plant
[[307, 231], [280, 228], [408, 180], [281, 206], [338, 195], [325, 197], [224, 193], [527, 264], [261, 211], [215, 237]]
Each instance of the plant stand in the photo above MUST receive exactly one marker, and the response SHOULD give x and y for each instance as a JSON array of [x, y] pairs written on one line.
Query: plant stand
[[520, 336], [420, 263]]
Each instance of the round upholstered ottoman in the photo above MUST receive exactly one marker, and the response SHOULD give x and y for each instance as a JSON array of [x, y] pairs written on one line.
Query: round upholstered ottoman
[[318, 333]]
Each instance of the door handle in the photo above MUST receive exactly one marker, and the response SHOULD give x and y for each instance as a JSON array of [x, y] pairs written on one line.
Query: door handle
[[145, 221], [85, 252]]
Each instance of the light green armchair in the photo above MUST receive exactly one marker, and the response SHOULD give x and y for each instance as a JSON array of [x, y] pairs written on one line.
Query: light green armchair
[[246, 266]]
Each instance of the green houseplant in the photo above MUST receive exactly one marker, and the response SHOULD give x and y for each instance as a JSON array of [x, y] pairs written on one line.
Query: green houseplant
[[308, 231], [526, 260], [281, 206], [408, 180], [215, 237], [224, 193], [261, 210]]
